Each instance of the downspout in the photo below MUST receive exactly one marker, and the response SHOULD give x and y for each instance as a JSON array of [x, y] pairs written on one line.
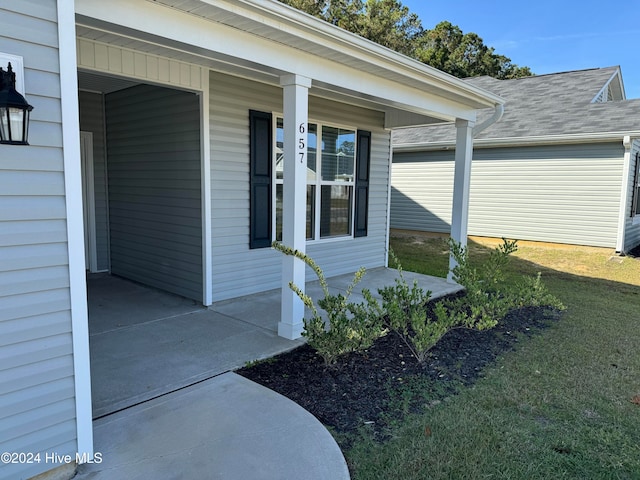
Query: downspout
[[497, 115], [624, 194]]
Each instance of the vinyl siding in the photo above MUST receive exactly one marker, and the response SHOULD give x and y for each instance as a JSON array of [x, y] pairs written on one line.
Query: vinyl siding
[[153, 145], [37, 409], [92, 120], [237, 270], [422, 191], [632, 224], [565, 194]]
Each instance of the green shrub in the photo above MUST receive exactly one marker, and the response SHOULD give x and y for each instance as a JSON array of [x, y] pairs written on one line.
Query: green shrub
[[485, 302], [351, 327], [531, 292], [488, 297], [405, 314]]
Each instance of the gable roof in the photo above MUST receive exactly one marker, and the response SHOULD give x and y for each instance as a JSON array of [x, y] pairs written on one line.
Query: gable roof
[[554, 106]]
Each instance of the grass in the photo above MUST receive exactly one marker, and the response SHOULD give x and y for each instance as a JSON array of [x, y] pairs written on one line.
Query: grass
[[559, 407]]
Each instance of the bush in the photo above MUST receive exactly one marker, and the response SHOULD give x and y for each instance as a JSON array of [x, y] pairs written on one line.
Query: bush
[[351, 327], [488, 296], [405, 314], [485, 302], [531, 292]]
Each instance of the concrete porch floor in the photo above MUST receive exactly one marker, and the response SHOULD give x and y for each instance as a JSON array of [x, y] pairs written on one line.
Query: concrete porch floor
[[145, 343], [168, 402]]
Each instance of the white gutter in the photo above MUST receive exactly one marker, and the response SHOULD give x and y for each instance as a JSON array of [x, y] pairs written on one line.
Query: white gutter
[[521, 141]]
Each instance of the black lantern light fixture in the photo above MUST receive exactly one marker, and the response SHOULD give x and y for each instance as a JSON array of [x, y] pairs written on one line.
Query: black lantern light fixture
[[14, 110]]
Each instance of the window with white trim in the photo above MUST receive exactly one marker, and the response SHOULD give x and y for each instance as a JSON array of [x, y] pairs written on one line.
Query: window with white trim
[[331, 159]]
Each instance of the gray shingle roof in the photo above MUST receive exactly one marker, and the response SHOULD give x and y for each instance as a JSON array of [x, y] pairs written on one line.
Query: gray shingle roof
[[543, 105]]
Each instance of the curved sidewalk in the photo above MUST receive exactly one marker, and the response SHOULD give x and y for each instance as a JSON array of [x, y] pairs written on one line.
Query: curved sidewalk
[[223, 428]]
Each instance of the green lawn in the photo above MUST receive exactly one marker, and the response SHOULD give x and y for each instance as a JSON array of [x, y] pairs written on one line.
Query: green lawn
[[559, 407]]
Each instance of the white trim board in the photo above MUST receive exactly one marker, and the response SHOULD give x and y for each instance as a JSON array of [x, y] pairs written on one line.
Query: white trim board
[[89, 201], [205, 162], [75, 229], [17, 65]]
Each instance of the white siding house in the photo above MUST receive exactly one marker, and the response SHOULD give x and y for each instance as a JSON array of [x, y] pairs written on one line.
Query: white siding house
[[44, 392], [153, 144], [558, 166]]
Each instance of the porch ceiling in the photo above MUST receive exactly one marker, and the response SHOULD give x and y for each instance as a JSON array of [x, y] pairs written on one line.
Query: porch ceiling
[[263, 40]]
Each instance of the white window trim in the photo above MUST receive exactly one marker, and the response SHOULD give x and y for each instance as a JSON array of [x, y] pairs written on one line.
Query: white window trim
[[319, 182]]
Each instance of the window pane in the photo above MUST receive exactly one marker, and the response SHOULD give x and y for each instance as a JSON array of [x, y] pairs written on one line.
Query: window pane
[[279, 148], [312, 147], [279, 212], [311, 211], [335, 210], [338, 154]]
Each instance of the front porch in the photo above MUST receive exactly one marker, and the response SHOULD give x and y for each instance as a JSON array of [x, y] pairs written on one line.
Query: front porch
[[145, 343]]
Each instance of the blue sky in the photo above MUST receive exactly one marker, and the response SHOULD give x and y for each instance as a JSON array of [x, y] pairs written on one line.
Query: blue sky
[[549, 36]]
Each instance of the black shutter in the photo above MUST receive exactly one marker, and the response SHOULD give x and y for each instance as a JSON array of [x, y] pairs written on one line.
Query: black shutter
[[363, 161], [260, 154]]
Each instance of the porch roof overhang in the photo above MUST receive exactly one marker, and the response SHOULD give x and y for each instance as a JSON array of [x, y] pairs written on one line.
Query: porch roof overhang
[[265, 39]]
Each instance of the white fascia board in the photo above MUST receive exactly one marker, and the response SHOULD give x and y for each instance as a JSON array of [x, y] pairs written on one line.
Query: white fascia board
[[294, 21], [189, 32], [521, 141], [615, 75], [621, 83]]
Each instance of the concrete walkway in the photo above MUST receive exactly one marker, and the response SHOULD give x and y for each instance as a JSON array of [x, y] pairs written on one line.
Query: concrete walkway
[[226, 428]]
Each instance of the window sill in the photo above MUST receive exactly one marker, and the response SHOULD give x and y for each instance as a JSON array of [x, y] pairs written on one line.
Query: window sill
[[322, 241]]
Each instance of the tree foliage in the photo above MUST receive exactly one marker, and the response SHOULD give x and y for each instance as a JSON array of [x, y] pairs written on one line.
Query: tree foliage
[[447, 48], [391, 24]]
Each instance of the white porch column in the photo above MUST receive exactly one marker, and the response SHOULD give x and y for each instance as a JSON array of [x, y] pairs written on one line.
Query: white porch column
[[296, 109], [461, 183]]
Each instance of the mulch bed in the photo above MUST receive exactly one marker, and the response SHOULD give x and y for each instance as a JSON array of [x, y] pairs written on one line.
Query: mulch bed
[[376, 387]]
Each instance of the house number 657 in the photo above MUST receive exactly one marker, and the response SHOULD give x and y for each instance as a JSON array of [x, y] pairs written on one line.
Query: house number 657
[[301, 143]]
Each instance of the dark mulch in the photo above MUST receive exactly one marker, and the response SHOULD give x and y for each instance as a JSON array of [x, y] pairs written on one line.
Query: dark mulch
[[378, 386]]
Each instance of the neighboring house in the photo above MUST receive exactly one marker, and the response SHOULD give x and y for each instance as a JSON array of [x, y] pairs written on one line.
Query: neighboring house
[[560, 166], [164, 119]]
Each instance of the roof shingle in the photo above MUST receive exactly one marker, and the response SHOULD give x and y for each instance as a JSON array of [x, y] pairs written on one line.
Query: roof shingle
[[543, 105]]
